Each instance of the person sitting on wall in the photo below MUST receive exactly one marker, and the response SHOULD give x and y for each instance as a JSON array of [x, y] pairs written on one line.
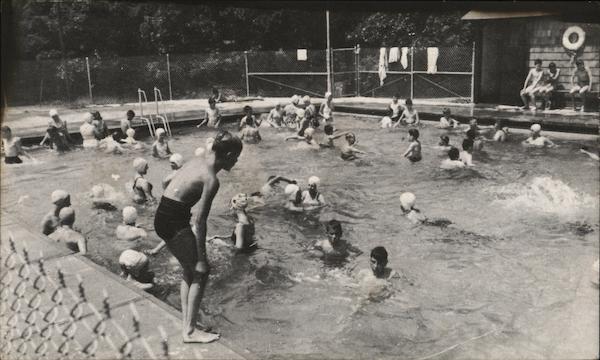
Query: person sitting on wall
[[581, 83], [531, 86], [549, 83]]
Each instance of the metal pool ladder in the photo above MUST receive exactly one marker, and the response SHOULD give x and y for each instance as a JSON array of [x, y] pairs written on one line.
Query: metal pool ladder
[[147, 120], [163, 117]]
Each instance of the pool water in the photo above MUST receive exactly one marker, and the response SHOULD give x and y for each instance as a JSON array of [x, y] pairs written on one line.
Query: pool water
[[510, 278]]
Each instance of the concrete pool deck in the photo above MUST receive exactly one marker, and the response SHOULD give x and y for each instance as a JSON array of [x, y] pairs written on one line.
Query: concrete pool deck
[[31, 122], [121, 294]]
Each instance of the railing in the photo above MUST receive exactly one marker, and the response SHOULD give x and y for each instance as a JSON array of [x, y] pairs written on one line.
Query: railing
[[43, 317], [163, 117], [148, 121]]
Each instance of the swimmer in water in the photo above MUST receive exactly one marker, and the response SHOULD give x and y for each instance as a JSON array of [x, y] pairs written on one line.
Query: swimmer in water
[[453, 161], [409, 116], [466, 156], [130, 140], [269, 189], [160, 148], [310, 112], [444, 143], [88, 132], [176, 161], [249, 120], [349, 151], [242, 238], [586, 151], [128, 229], [11, 147], [386, 122], [135, 268], [326, 109], [64, 232], [126, 123], [501, 131], [413, 153], [100, 124], [446, 121], [333, 245], [307, 138], [60, 199], [302, 122], [142, 188], [212, 116], [110, 145], [312, 198], [330, 137], [414, 215], [290, 112], [275, 117], [104, 197], [294, 198], [249, 133], [195, 183], [536, 139], [57, 133]]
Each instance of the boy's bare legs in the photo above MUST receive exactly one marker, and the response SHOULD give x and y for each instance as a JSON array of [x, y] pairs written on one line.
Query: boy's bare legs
[[192, 289]]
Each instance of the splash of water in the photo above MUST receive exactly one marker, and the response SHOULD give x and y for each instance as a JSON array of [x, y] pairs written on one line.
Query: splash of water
[[547, 196]]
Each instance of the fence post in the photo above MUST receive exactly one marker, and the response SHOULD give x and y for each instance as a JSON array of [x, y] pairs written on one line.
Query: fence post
[[357, 65], [87, 64], [412, 74], [473, 75], [246, 68], [169, 77]]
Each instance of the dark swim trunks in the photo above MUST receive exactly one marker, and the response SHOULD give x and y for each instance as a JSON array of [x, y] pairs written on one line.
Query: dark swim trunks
[[172, 224], [12, 160]]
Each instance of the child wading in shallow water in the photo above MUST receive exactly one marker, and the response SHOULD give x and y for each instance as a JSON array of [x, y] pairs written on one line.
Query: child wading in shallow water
[[413, 153], [160, 148], [333, 245], [349, 151], [242, 237]]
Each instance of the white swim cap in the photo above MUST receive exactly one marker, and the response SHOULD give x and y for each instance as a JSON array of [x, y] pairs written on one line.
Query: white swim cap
[[97, 191], [306, 99], [407, 200], [59, 195], [53, 113], [133, 260], [159, 131], [177, 159], [295, 99], [67, 216], [87, 118], [129, 215], [314, 180], [536, 128], [300, 113], [139, 164], [130, 132], [199, 151], [327, 94], [239, 201], [309, 131], [291, 190]]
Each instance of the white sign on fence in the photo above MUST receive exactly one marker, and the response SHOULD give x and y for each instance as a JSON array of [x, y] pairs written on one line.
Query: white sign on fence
[[302, 55]]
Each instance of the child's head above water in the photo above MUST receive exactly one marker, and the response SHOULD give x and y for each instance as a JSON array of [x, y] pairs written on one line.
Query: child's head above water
[[130, 132], [60, 198], [176, 161], [446, 112], [407, 201], [444, 140], [395, 98], [239, 201], [306, 100], [140, 165], [408, 102], [293, 193], [334, 230], [160, 133], [130, 114], [248, 110], [328, 129], [471, 134], [129, 215], [379, 260], [414, 134], [467, 144], [351, 138], [453, 153], [212, 101]]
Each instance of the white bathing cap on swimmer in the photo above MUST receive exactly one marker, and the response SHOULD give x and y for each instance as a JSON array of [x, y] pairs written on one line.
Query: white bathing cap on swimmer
[[58, 195], [295, 99], [97, 191], [139, 164], [536, 128], [306, 99], [133, 260], [88, 117], [67, 216], [407, 200], [300, 113], [291, 190], [199, 151], [129, 215], [327, 94], [130, 132], [310, 131], [314, 180], [239, 201], [159, 131], [53, 113], [177, 159]]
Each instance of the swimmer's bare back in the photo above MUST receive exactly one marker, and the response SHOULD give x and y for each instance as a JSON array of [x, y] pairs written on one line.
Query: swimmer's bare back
[[188, 183]]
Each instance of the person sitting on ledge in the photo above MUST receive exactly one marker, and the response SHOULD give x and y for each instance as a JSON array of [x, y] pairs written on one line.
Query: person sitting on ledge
[[581, 83], [532, 86], [74, 240]]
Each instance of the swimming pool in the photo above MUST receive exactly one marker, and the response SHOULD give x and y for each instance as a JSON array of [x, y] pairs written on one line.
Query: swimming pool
[[505, 280]]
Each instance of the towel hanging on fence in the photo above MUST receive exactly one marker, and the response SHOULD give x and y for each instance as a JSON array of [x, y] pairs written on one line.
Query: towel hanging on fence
[[432, 56], [404, 57], [394, 55], [382, 65]]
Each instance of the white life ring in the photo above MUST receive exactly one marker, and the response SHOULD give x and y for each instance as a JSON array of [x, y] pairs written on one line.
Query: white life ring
[[580, 38]]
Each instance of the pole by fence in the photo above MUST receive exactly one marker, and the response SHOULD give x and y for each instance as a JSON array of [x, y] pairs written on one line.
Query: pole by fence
[[328, 54], [169, 77], [87, 64], [473, 75], [246, 72], [357, 67], [412, 73]]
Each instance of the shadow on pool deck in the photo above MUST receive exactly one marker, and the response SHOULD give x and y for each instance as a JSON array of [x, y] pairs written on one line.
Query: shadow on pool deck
[[95, 279]]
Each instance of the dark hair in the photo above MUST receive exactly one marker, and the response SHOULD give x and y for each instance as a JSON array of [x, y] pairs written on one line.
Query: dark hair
[[271, 177], [215, 90], [328, 129], [380, 254], [130, 113], [446, 111], [552, 65], [414, 133], [212, 100], [350, 135], [445, 139], [579, 62], [226, 143], [247, 108], [408, 102], [97, 115], [537, 61], [249, 121], [453, 153], [467, 144], [335, 225], [471, 134]]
